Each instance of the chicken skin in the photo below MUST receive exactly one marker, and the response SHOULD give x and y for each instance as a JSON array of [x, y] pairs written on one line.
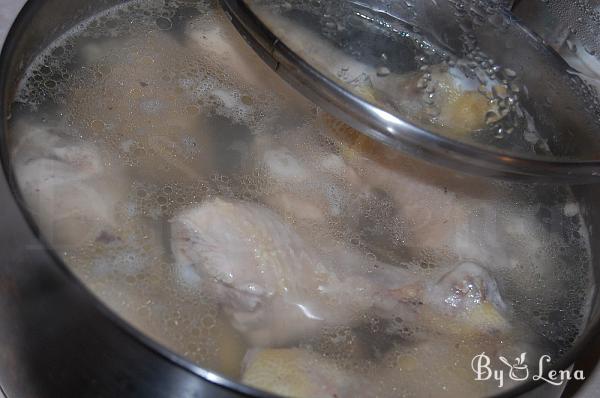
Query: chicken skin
[[277, 288]]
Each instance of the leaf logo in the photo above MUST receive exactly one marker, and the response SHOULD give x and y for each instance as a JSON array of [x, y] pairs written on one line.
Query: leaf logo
[[518, 371]]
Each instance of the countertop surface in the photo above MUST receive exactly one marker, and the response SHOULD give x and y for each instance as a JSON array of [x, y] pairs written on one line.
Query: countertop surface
[[589, 389]]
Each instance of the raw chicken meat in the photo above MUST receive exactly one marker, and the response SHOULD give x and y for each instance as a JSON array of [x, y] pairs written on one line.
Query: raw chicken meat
[[166, 112], [304, 181], [149, 117], [442, 212], [297, 373], [443, 98], [427, 198], [276, 288], [233, 53], [65, 186]]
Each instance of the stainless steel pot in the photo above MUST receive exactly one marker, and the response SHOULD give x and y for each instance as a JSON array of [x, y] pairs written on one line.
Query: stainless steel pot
[[56, 338]]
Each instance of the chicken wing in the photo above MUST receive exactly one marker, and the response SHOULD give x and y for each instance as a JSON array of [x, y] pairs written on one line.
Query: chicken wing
[[66, 186]]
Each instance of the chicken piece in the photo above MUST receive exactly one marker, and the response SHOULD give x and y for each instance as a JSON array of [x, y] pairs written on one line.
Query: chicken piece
[[423, 194], [315, 48], [465, 302], [318, 190], [228, 50], [442, 366], [296, 373], [172, 110], [275, 287], [448, 215], [66, 186], [152, 116], [433, 214], [444, 213], [179, 112], [443, 97], [304, 181], [301, 209]]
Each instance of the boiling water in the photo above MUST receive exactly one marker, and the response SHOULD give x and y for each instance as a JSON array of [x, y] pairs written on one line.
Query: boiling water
[[155, 109]]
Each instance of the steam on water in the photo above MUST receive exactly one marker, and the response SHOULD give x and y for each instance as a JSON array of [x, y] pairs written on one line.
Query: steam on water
[[154, 116]]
